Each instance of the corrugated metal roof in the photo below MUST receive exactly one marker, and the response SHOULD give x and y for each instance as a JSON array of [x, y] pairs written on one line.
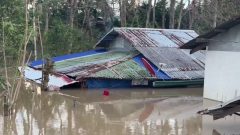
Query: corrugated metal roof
[[110, 65], [84, 67], [107, 65], [161, 47], [125, 70]]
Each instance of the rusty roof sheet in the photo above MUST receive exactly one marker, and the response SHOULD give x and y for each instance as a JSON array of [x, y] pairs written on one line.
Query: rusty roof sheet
[[151, 37], [58, 80], [125, 70], [161, 47]]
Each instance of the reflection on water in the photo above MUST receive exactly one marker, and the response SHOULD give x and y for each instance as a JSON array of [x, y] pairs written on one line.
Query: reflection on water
[[124, 112]]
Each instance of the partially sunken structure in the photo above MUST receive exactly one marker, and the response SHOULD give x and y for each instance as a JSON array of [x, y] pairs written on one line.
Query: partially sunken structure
[[127, 57]]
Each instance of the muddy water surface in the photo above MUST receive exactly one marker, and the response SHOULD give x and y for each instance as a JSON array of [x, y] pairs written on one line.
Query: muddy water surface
[[123, 112]]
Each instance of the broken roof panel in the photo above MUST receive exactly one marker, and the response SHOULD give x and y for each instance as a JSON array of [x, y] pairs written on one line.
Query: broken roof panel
[[58, 80], [130, 69], [109, 65]]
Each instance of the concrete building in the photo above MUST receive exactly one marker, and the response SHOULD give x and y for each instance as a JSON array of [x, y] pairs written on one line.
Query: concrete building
[[222, 65]]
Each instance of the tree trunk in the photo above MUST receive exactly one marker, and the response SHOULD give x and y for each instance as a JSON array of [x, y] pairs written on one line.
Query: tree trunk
[[71, 19], [123, 10], [163, 19], [89, 19], [148, 13], [46, 21], [154, 13], [172, 14], [215, 13], [34, 29], [180, 14], [133, 9], [190, 12]]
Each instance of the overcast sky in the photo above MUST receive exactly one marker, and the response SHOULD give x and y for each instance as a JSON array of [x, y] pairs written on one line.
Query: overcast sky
[[117, 10], [184, 1]]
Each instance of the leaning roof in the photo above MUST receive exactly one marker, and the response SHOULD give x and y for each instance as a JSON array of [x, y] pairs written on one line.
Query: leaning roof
[[100, 64], [161, 47], [201, 41]]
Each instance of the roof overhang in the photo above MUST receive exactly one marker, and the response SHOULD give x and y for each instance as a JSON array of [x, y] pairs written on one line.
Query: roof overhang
[[200, 42]]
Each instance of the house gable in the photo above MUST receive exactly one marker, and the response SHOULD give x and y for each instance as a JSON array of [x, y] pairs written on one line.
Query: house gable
[[120, 44]]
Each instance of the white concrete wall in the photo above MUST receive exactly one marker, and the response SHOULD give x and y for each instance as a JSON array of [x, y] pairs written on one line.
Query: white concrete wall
[[222, 66], [222, 75]]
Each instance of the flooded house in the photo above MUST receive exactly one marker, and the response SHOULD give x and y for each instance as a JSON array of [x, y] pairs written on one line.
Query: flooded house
[[129, 57], [222, 72]]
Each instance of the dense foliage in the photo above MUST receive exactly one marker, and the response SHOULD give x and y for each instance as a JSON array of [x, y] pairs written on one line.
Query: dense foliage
[[67, 26]]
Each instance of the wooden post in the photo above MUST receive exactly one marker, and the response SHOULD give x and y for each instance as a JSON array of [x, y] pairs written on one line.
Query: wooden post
[[46, 71], [5, 105]]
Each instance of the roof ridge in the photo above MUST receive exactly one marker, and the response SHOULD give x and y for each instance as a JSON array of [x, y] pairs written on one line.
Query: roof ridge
[[139, 28]]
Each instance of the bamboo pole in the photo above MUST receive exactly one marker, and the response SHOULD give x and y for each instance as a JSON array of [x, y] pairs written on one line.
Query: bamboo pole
[[6, 96], [40, 38], [34, 29], [4, 56], [27, 35]]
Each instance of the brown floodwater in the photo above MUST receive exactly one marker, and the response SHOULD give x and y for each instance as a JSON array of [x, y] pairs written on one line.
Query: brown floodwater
[[123, 112]]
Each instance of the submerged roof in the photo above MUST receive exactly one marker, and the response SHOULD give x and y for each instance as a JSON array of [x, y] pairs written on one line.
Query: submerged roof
[[101, 64], [161, 47], [201, 41]]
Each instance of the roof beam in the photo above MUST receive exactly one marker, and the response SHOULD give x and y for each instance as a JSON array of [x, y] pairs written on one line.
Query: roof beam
[[219, 30], [201, 40], [199, 47]]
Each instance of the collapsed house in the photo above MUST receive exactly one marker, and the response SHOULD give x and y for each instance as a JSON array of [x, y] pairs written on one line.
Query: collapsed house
[[127, 57]]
